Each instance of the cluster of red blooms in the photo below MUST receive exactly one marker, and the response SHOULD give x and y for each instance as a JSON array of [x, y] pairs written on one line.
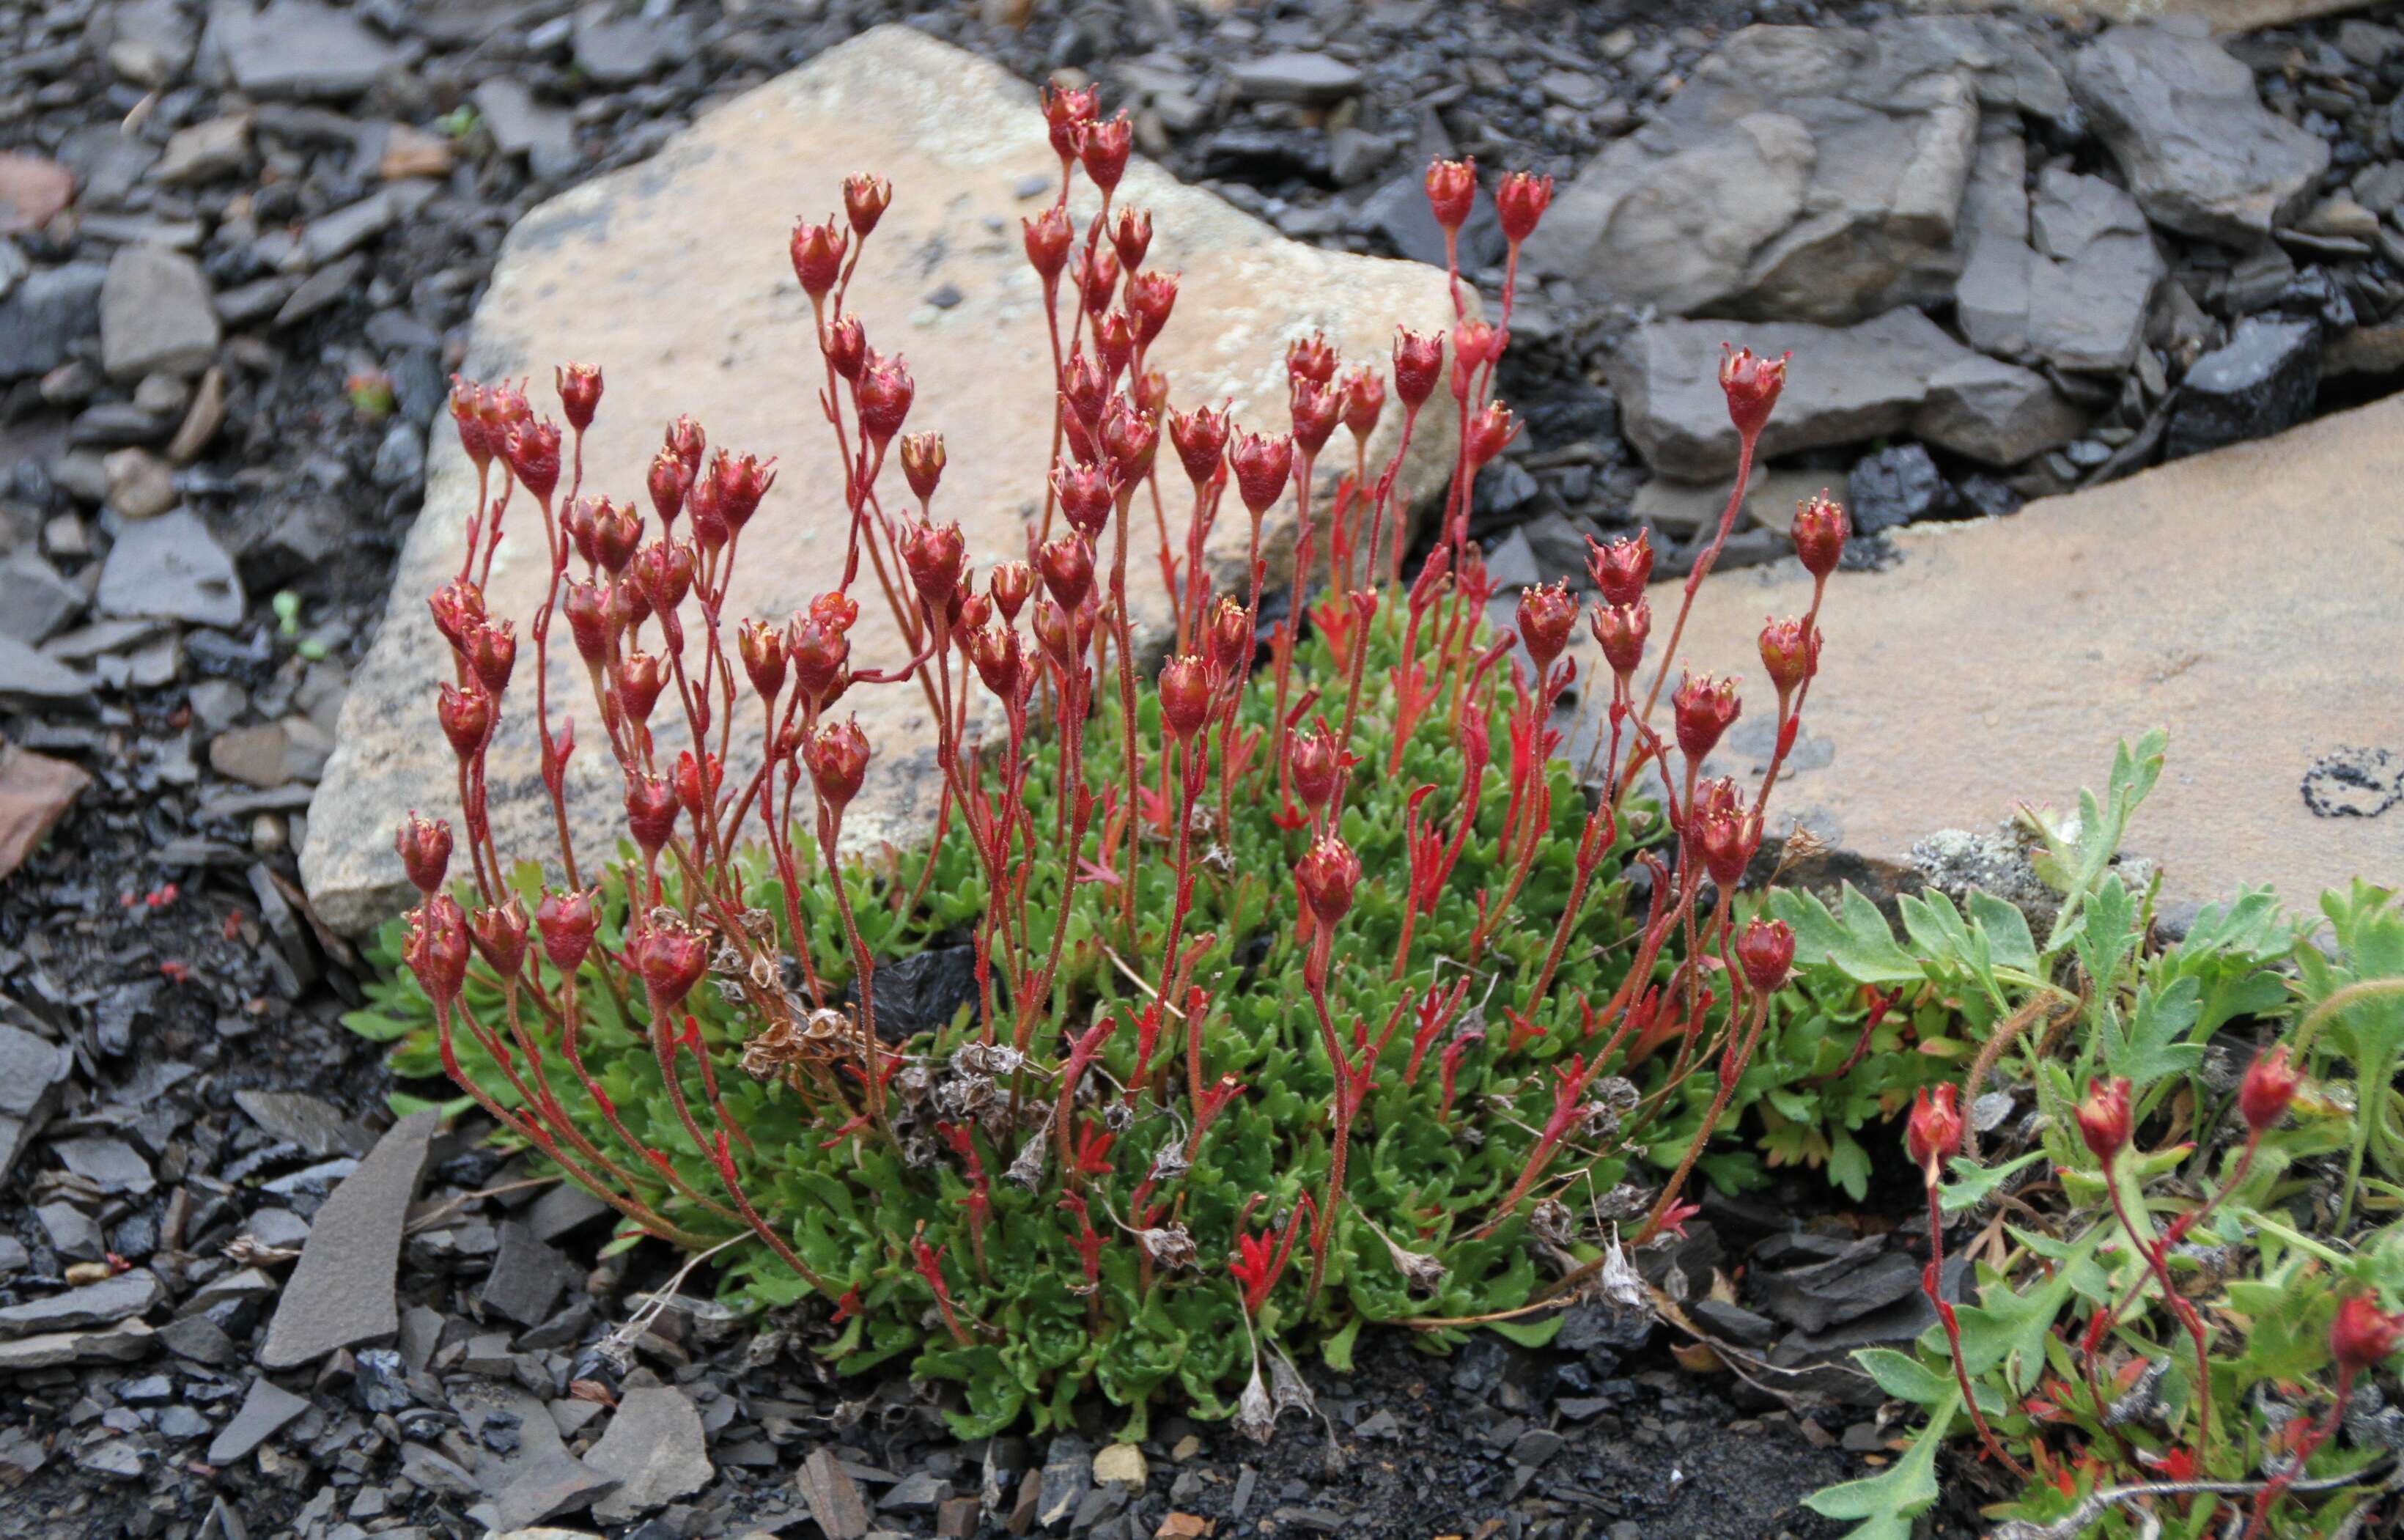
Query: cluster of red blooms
[[645, 603]]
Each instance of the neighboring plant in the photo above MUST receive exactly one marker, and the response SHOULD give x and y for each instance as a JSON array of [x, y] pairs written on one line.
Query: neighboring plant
[[2171, 1266], [1298, 1005]]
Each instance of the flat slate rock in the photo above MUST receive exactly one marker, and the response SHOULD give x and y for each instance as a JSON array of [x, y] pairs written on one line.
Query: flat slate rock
[[265, 1411], [122, 1343], [527, 1276], [656, 1449], [128, 1295], [609, 273], [32, 1069], [340, 1293], [2003, 658]]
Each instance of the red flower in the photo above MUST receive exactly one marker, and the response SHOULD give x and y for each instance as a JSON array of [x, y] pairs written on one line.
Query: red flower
[[2363, 1336], [1327, 874], [567, 921], [580, 393], [1547, 617], [1201, 439], [1705, 708], [2103, 1118], [1934, 1135], [818, 256], [671, 962], [1418, 362], [1047, 237], [1752, 386], [436, 949], [864, 199], [1819, 532], [1451, 187], [1312, 358], [1264, 466], [1766, 952], [1131, 237], [1788, 654], [1621, 629], [1520, 201], [424, 847], [2268, 1086], [1185, 692]]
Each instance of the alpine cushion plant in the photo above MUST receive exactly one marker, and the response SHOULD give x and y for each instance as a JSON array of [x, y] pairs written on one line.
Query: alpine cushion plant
[[1297, 1005]]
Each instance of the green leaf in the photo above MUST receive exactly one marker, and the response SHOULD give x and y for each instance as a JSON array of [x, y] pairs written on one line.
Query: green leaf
[[1529, 1333], [1973, 1182], [1906, 1378], [2008, 941], [1888, 1502], [1861, 946], [2155, 1048], [1338, 1350], [1848, 1164]]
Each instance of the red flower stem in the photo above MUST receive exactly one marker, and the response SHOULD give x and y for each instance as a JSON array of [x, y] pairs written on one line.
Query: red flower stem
[[1727, 1080], [2277, 1485], [1314, 977], [2158, 1262], [1931, 1282]]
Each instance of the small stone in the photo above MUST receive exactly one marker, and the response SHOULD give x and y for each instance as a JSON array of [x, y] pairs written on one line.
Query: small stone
[[1995, 413], [527, 1276], [2264, 379], [155, 313], [915, 1492], [202, 419], [341, 1292], [833, 1497], [1683, 508], [122, 1343], [414, 152], [1121, 1463], [616, 49], [1309, 78], [140, 483], [28, 674], [1896, 485], [205, 151], [255, 756], [172, 568], [345, 230], [1067, 1477], [122, 1297], [35, 601], [316, 1126], [520, 125], [111, 1164], [33, 190], [50, 311], [298, 49], [266, 1410], [656, 1449]]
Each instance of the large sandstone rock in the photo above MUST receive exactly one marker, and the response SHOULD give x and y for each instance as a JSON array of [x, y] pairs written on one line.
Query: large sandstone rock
[[1845, 384], [2201, 153], [2000, 661], [1805, 174], [673, 276]]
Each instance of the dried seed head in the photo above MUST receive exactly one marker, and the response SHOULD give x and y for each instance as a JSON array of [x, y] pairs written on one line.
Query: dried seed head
[[1230, 634], [1752, 386], [1066, 110], [937, 556], [1085, 497], [499, 933], [1131, 438], [1364, 392], [864, 199], [492, 654], [640, 678], [1451, 188], [922, 462], [424, 847], [763, 647], [1149, 297], [742, 481], [532, 449], [1520, 201], [847, 348], [1316, 764], [1131, 237], [1114, 340], [1622, 567], [457, 606], [995, 651]]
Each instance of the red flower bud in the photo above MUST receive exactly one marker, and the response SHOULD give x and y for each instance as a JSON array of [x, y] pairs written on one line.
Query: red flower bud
[[1066, 563], [667, 482], [1131, 440], [1264, 467], [973, 609], [1085, 389], [591, 620], [1621, 630], [2268, 1087], [1067, 109], [1520, 201], [1097, 276], [818, 256], [567, 921], [936, 556], [885, 392], [1728, 838], [1047, 237], [1132, 237], [847, 348], [458, 608], [1934, 1135], [710, 529], [639, 679], [1149, 297], [1451, 187], [697, 782], [1201, 439], [1185, 692], [492, 653], [580, 393], [1752, 386], [1789, 654], [650, 810], [1621, 568], [1065, 633], [436, 949], [818, 653], [467, 416], [1317, 764], [616, 534], [837, 757], [1085, 497], [1230, 635], [1103, 147], [533, 451], [835, 610], [1820, 530], [686, 441], [763, 647], [575, 521], [2363, 1336], [1766, 951], [671, 962], [1489, 431], [1012, 584], [1150, 390], [664, 570], [1418, 363], [1312, 358], [922, 462], [994, 650], [1547, 617], [1114, 338], [467, 716], [1327, 874], [499, 933], [424, 847], [1365, 401], [2103, 1118], [1705, 708], [864, 198], [1316, 411], [742, 481]]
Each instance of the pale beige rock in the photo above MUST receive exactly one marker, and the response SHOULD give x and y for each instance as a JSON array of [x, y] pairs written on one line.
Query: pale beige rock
[[1998, 661], [2222, 15], [673, 276]]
